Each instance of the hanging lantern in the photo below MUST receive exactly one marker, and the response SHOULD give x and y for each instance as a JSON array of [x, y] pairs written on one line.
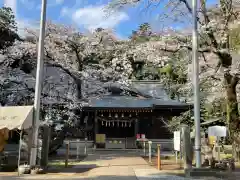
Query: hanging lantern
[[130, 115], [102, 114], [116, 115], [122, 115], [110, 115]]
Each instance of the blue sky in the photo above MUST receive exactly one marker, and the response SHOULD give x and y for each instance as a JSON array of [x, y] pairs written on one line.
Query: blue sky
[[89, 14]]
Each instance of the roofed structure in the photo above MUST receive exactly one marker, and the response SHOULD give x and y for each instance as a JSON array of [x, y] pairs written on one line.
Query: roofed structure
[[141, 95]]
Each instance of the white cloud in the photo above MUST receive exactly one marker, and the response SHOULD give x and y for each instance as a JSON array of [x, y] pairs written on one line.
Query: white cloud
[[93, 17], [58, 2], [26, 23], [12, 4]]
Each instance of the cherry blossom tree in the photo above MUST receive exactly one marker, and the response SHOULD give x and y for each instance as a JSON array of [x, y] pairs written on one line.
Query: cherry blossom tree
[[219, 62], [8, 28]]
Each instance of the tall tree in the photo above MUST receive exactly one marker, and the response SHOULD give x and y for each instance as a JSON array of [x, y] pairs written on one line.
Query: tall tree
[[214, 36], [142, 34], [8, 28]]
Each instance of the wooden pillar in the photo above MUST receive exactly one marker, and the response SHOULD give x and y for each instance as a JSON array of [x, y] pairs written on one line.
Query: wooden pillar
[[86, 126], [136, 127], [159, 156], [45, 145], [67, 153], [95, 126]]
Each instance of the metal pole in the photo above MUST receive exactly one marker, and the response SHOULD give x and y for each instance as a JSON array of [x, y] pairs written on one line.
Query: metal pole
[[144, 148], [196, 85], [38, 86], [150, 151], [78, 141], [19, 151], [159, 156], [85, 147]]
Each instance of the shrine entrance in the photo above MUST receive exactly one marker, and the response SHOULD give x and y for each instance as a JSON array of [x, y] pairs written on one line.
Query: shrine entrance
[[117, 128]]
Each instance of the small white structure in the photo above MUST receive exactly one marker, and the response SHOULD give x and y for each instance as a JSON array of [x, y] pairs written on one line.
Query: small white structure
[[16, 117], [177, 140], [217, 131]]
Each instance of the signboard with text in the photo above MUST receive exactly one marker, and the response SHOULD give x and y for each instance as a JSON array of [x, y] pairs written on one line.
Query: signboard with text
[[177, 140]]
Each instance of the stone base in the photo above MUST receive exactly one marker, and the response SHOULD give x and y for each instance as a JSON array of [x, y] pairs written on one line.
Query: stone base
[[203, 172]]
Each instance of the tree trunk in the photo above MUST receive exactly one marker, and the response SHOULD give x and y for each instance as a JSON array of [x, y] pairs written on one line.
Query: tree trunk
[[76, 79], [79, 88], [232, 105], [79, 81], [232, 109]]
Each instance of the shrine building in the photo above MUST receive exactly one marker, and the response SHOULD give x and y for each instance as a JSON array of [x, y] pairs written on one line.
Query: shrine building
[[116, 119]]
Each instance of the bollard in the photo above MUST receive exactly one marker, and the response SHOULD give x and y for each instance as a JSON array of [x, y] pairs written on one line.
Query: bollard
[[144, 148], [67, 154], [85, 148], [219, 152], [78, 141], [150, 151], [159, 156], [176, 156]]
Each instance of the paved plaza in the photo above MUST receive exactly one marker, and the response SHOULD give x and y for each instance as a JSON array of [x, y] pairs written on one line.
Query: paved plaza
[[108, 165]]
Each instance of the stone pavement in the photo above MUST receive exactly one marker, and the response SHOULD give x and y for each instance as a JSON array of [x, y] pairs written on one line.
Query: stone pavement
[[107, 165]]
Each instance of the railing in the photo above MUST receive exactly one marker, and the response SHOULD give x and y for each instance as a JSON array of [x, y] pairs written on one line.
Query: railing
[[76, 148], [166, 145]]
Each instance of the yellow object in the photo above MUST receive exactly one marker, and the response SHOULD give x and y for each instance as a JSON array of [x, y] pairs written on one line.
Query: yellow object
[[211, 140], [100, 138], [4, 135]]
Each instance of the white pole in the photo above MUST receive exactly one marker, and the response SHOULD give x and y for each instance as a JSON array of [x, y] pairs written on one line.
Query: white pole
[[78, 144], [150, 151], [85, 148], [144, 148], [19, 151], [38, 86], [176, 154], [196, 85]]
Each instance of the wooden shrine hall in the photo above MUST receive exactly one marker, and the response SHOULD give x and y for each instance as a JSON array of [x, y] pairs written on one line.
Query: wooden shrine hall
[[118, 117]]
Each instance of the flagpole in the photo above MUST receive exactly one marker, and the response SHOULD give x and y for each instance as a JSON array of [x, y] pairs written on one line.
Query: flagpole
[[38, 85], [196, 85]]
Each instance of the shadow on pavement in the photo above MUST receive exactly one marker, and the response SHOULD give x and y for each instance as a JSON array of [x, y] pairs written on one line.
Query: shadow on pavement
[[69, 177], [72, 169]]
